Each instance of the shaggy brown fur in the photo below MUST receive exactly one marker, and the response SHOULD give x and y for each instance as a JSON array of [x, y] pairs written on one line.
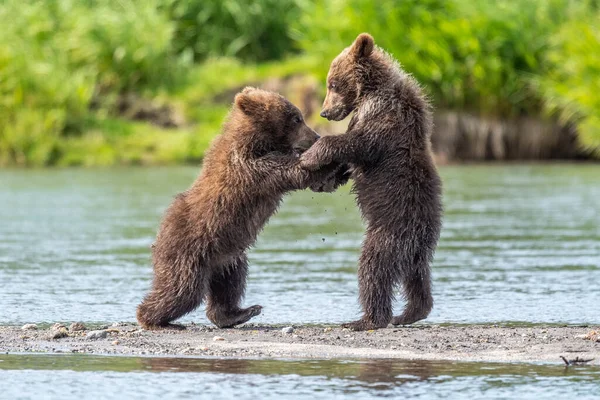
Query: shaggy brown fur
[[397, 186], [200, 251]]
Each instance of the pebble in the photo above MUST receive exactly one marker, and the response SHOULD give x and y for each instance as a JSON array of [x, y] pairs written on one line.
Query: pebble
[[97, 334], [77, 326], [59, 333], [327, 330], [29, 327], [57, 326], [116, 342], [218, 338], [287, 330]]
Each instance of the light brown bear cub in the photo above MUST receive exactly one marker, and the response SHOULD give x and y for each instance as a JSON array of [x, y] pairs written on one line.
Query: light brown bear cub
[[200, 250], [397, 186]]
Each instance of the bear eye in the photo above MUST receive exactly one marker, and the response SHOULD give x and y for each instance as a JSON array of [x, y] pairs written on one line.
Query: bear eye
[[297, 119], [332, 85]]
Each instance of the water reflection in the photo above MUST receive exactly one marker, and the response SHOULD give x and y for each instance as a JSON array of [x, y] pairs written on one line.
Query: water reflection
[[57, 376], [369, 371]]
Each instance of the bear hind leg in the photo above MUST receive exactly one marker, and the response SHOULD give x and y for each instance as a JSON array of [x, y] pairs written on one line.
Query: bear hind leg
[[226, 290], [417, 290], [169, 300], [376, 280]]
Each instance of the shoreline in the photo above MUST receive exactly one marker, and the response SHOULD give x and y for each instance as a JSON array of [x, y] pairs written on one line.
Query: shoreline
[[491, 343]]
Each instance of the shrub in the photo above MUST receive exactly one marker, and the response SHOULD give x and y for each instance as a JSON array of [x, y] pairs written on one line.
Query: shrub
[[473, 55], [256, 30], [571, 88], [60, 57]]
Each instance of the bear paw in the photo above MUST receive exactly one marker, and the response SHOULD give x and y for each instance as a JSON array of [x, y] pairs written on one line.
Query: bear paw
[[362, 325], [176, 327], [238, 317]]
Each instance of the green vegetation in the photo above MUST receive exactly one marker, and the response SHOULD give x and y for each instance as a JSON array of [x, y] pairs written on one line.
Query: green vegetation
[[255, 30], [571, 89], [504, 58], [65, 65]]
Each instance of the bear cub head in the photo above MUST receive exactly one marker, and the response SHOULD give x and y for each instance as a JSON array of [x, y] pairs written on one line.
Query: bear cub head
[[344, 83], [270, 123]]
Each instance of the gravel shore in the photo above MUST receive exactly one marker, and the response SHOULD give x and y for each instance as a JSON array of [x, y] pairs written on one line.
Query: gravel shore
[[422, 342]]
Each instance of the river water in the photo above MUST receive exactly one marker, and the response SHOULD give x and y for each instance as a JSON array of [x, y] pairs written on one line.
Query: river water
[[90, 377], [520, 244]]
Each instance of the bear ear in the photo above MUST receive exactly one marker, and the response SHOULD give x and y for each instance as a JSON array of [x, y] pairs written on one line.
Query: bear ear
[[247, 100], [362, 46]]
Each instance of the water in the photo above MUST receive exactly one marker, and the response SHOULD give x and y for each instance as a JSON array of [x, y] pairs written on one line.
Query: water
[[22, 376], [519, 244]]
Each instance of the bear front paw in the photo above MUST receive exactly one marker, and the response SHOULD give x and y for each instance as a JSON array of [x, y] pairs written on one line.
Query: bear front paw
[[328, 186], [331, 183], [316, 157]]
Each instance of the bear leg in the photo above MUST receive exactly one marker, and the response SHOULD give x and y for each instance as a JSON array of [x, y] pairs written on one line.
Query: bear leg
[[170, 299], [376, 279], [226, 290], [417, 291]]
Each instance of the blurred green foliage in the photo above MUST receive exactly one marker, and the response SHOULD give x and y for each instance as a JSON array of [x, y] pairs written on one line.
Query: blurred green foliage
[[257, 30], [64, 64], [503, 59], [469, 54], [571, 88]]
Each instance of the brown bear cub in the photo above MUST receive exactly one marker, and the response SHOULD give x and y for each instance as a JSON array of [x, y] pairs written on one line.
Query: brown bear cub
[[395, 180], [200, 250]]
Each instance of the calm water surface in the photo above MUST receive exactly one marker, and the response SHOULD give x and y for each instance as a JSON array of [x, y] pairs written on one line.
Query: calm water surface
[[519, 244]]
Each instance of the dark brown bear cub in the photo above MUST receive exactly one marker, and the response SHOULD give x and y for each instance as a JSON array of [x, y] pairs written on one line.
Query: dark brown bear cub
[[200, 250], [397, 186]]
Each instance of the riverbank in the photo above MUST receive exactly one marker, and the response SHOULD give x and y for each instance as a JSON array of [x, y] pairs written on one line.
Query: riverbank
[[420, 342]]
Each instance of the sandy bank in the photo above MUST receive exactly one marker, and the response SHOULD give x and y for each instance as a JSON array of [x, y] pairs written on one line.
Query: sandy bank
[[424, 342]]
